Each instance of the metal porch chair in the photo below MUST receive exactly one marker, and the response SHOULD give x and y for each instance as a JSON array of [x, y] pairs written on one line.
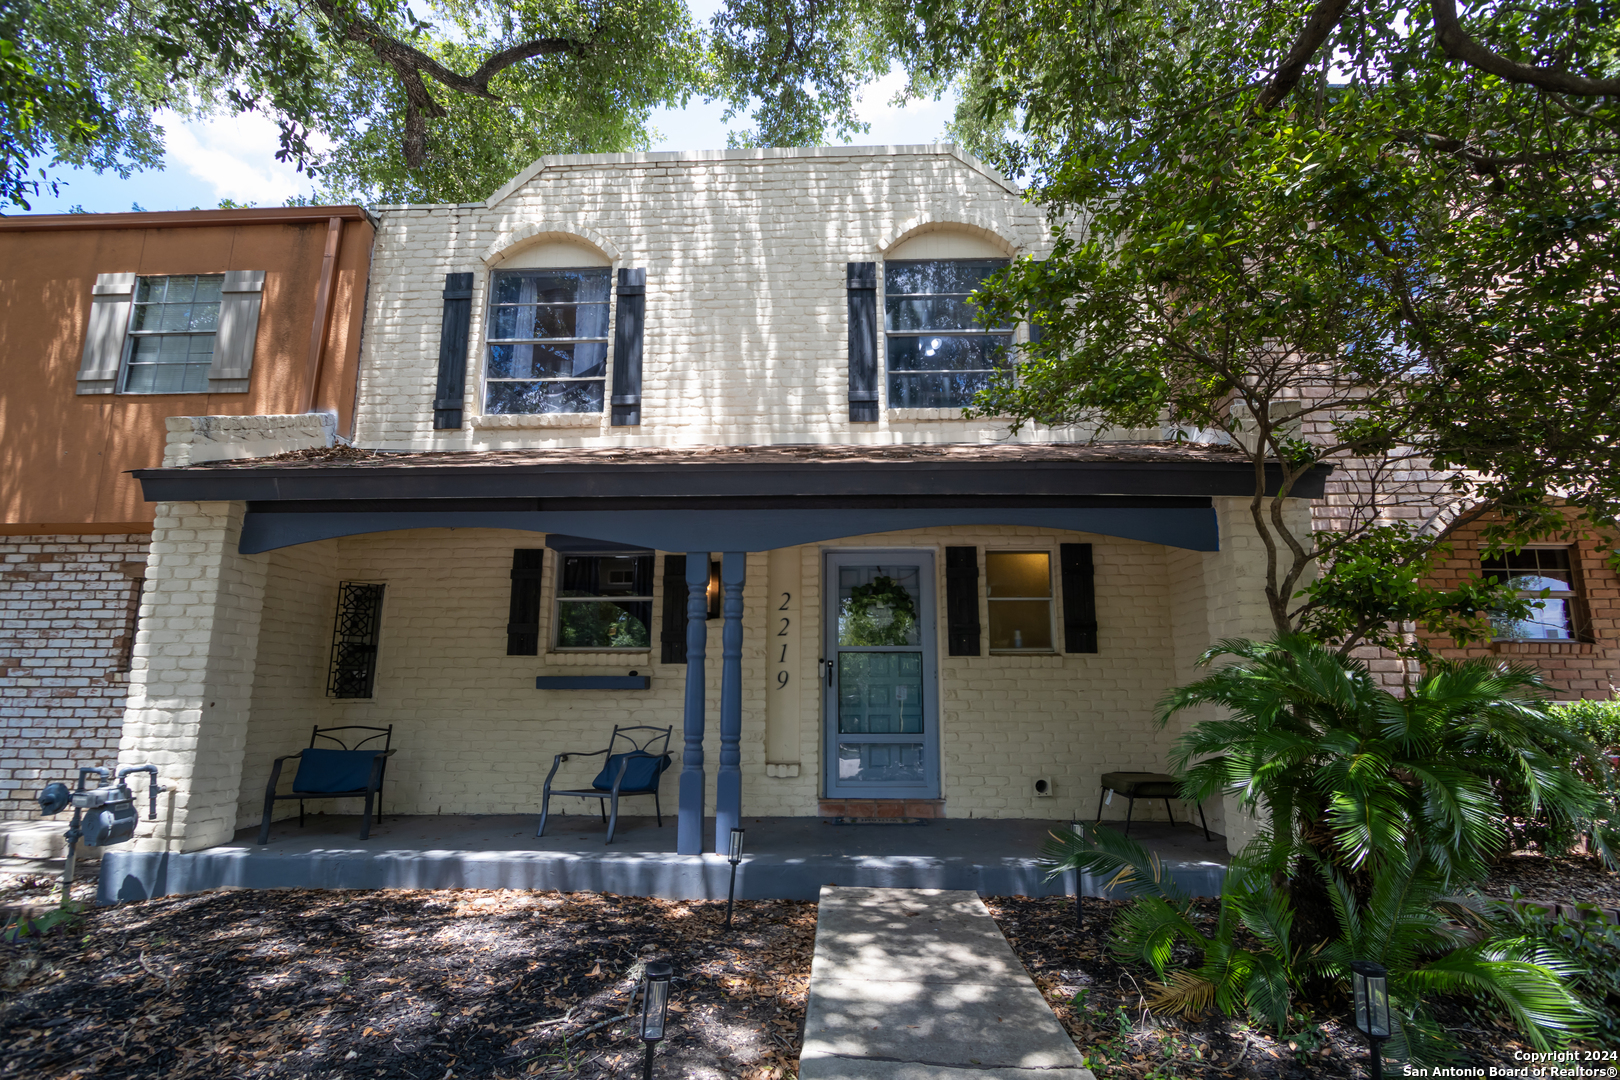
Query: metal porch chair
[[635, 770], [344, 773]]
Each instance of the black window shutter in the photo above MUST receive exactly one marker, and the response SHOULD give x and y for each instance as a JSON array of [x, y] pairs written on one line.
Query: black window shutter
[[628, 326], [1079, 599], [673, 635], [962, 600], [863, 391], [454, 331], [523, 620]]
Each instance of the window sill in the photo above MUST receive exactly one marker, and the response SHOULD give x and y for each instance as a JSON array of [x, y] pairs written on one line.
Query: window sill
[[565, 651], [1024, 652], [1544, 647], [925, 414], [522, 421]]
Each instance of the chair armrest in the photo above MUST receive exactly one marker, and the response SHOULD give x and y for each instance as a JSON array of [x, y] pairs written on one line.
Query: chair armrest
[[379, 760], [557, 761], [275, 773]]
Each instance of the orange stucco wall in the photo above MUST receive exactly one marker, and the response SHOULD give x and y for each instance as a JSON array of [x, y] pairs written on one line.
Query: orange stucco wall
[[65, 457]]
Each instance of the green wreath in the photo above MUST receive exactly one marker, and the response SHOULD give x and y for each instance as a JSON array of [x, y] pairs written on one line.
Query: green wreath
[[879, 613]]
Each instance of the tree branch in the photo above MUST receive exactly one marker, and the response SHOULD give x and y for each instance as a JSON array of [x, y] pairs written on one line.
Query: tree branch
[[410, 64], [1459, 46], [1324, 17]]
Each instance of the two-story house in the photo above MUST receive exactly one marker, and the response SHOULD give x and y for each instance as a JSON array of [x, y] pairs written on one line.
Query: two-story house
[[677, 439], [110, 325]]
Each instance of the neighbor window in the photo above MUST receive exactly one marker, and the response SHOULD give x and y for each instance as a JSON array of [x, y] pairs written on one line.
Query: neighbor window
[[940, 354], [605, 602], [1545, 577], [1020, 600], [548, 340], [171, 334]]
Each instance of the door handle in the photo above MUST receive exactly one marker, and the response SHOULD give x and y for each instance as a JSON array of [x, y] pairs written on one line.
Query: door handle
[[827, 669]]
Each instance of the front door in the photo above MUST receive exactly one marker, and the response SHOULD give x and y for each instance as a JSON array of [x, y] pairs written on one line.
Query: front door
[[882, 698]]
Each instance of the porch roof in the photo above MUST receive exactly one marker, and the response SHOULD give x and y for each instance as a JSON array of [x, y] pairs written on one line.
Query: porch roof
[[757, 497], [1155, 469]]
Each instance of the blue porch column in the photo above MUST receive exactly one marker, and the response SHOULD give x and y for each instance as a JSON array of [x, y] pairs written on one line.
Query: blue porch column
[[689, 822], [728, 785]]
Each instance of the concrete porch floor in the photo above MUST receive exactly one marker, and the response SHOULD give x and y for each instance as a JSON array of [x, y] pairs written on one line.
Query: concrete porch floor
[[784, 858]]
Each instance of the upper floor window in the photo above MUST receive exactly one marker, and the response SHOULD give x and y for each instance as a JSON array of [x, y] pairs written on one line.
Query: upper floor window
[[1533, 572], [548, 340], [940, 353], [171, 334]]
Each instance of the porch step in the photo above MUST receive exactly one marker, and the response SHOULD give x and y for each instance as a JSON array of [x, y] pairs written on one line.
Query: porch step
[[920, 984]]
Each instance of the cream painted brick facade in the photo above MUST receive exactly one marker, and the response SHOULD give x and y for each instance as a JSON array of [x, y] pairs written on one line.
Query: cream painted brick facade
[[66, 619], [745, 253], [745, 343], [475, 736]]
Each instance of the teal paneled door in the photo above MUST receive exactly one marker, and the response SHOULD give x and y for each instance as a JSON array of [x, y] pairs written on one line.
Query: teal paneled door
[[880, 679]]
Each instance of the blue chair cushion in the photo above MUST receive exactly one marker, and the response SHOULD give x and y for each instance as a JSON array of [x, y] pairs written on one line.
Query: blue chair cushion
[[333, 770], [641, 774]]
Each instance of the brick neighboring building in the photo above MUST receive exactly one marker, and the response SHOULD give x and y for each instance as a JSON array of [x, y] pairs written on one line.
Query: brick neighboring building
[[1575, 640], [100, 348]]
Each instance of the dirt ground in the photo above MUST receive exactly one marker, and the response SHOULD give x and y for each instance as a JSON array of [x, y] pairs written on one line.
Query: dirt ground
[[503, 985], [419, 985]]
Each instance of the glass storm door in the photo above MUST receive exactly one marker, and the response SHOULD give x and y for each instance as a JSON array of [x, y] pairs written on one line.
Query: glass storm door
[[880, 682]]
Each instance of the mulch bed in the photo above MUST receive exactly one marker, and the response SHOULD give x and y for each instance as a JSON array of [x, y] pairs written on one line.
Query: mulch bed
[[1102, 1005], [1565, 879], [418, 985]]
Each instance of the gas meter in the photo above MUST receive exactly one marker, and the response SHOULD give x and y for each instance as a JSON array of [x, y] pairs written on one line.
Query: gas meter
[[101, 815]]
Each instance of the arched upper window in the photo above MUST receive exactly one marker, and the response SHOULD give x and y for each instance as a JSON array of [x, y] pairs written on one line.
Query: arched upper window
[[548, 330], [940, 352]]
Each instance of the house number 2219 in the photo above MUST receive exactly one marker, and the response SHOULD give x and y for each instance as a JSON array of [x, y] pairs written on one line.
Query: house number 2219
[[782, 676]]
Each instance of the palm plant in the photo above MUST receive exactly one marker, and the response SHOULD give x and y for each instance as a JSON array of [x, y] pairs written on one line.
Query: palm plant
[[1346, 769], [1248, 957]]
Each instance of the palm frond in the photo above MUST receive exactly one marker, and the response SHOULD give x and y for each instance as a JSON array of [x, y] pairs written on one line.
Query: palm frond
[[1096, 849], [1182, 993]]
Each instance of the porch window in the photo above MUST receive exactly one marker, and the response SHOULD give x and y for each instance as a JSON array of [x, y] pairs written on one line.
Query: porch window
[[171, 334], [548, 339], [1544, 576], [605, 602], [940, 353], [1020, 600]]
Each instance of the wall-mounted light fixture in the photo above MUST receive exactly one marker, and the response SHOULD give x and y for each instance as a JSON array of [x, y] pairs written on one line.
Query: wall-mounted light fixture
[[714, 589]]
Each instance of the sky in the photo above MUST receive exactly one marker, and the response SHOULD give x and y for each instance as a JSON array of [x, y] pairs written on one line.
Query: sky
[[234, 157]]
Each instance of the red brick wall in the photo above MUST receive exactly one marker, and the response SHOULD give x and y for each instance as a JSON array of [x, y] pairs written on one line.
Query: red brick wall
[[1574, 669], [64, 626]]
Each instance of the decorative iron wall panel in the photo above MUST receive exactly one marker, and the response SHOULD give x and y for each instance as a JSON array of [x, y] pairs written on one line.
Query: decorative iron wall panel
[[354, 640]]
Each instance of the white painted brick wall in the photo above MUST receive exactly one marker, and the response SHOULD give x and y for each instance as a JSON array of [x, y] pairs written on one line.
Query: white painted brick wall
[[191, 686], [65, 607], [745, 253]]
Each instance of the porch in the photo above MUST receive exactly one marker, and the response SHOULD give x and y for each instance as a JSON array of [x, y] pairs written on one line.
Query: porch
[[787, 858]]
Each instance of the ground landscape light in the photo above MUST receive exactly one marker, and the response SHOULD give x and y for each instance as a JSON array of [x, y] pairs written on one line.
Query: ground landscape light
[[733, 856], [1371, 983], [654, 1007]]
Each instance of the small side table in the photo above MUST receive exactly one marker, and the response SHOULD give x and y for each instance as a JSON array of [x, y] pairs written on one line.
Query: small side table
[[1145, 785]]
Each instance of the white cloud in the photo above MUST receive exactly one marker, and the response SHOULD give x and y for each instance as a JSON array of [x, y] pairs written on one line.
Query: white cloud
[[235, 156], [917, 120]]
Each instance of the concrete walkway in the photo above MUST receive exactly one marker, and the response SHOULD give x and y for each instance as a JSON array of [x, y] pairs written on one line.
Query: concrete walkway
[[919, 984]]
